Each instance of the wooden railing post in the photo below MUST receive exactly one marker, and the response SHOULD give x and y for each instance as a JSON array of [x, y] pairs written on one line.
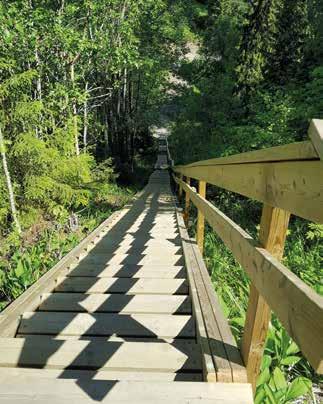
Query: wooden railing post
[[180, 189], [200, 219], [187, 203], [272, 235]]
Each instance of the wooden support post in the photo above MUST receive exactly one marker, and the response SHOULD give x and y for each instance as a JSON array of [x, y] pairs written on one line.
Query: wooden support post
[[200, 219], [180, 189], [273, 230], [187, 203]]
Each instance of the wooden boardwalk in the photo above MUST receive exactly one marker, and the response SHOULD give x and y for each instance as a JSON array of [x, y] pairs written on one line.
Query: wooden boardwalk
[[129, 316]]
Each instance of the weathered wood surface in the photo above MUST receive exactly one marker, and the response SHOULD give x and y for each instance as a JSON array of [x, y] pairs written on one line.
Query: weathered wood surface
[[116, 303], [289, 152], [122, 309], [112, 355], [130, 286], [50, 391], [316, 135], [299, 308], [295, 186], [272, 235], [104, 324]]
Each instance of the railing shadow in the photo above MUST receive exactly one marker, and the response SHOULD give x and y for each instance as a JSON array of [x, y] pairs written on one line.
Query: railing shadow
[[137, 229]]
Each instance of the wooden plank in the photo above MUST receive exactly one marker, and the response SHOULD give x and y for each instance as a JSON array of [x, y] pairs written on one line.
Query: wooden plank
[[130, 286], [295, 186], [209, 369], [101, 324], [116, 303], [287, 152], [26, 374], [316, 135], [273, 230], [132, 259], [186, 214], [298, 307], [116, 356], [137, 250], [142, 391], [89, 391], [200, 219], [238, 370], [129, 271], [29, 300]]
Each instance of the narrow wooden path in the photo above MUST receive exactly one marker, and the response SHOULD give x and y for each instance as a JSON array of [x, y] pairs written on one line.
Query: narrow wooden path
[[129, 316]]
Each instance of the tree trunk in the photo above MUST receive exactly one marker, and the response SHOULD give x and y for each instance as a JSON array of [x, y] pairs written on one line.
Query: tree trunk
[[9, 184], [85, 116], [74, 109]]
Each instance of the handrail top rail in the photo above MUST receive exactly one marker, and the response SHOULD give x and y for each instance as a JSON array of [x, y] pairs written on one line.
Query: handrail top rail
[[290, 152], [297, 151]]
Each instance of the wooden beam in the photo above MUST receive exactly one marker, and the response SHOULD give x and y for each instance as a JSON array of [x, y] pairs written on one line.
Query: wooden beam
[[316, 135], [200, 219], [180, 189], [289, 152], [273, 230], [295, 186], [299, 308], [187, 204]]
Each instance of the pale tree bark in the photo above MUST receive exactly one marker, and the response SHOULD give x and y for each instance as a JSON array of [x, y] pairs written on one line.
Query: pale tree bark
[[74, 109], [9, 184], [85, 118]]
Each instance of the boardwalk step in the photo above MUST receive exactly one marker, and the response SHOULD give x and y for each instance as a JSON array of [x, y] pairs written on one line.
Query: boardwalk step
[[129, 271], [116, 303], [25, 374], [136, 250], [64, 391], [130, 286], [101, 324], [116, 356], [135, 259]]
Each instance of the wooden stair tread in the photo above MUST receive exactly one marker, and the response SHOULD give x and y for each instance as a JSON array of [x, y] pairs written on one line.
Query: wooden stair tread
[[139, 325], [130, 286], [116, 303], [129, 271], [135, 259], [84, 354], [62, 390]]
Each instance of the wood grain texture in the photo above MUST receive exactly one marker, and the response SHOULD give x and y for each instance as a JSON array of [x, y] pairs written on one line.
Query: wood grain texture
[[272, 236], [298, 307], [200, 219], [117, 356], [129, 286], [288, 152], [116, 303], [315, 133], [295, 186], [101, 324]]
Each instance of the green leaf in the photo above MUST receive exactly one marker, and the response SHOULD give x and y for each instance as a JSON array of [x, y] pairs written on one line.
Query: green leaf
[[279, 379], [292, 349], [263, 377], [19, 270], [270, 395], [266, 362], [298, 387], [290, 360]]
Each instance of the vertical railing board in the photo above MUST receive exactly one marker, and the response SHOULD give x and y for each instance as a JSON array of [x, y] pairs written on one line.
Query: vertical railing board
[[201, 219], [273, 230], [187, 203]]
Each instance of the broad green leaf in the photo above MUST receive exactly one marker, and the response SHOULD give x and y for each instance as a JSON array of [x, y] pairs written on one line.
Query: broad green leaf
[[292, 349], [290, 360], [263, 377], [279, 379], [298, 387]]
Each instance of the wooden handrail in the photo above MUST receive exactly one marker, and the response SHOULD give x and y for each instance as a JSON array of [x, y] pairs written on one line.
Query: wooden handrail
[[287, 179]]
